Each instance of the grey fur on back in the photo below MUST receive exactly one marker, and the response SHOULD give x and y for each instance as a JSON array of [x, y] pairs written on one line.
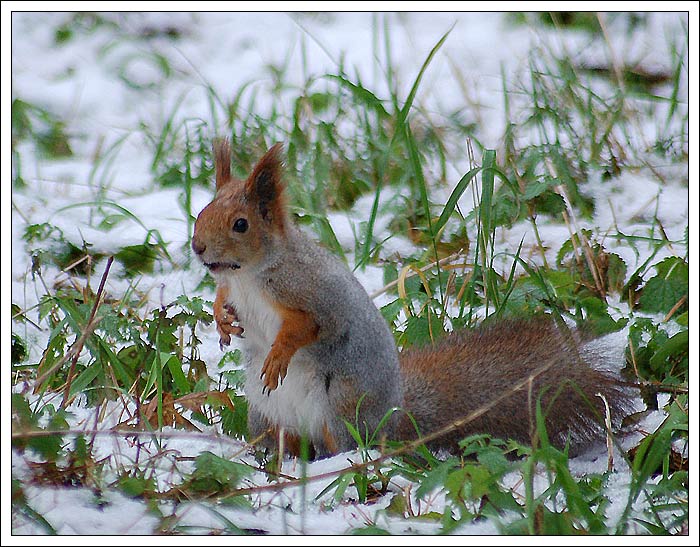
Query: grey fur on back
[[356, 352]]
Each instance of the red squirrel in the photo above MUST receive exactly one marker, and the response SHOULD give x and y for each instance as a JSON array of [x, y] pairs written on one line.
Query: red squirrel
[[319, 353]]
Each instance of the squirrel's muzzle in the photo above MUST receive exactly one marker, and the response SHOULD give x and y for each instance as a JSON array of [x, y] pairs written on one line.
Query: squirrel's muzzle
[[218, 266]]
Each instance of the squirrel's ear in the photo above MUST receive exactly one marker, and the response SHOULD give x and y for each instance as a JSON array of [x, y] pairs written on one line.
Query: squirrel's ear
[[222, 162], [265, 188]]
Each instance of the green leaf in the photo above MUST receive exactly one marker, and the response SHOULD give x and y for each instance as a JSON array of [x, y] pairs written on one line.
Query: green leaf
[[230, 357], [354, 433], [616, 272], [481, 481], [598, 320], [23, 420], [213, 473], [494, 460], [568, 246], [340, 484], [435, 478], [391, 310], [84, 378], [362, 94], [18, 349], [455, 482], [175, 368], [666, 288], [137, 259], [550, 203], [49, 446], [653, 529], [235, 422], [370, 530], [53, 142], [19, 503], [459, 189], [648, 341], [419, 330], [136, 486], [20, 122], [538, 187], [678, 343]]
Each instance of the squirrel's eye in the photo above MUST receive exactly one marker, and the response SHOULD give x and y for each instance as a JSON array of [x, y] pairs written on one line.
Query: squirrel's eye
[[241, 225]]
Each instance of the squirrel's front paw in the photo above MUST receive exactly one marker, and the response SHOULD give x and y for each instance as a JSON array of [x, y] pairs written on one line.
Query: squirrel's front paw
[[274, 370], [225, 318]]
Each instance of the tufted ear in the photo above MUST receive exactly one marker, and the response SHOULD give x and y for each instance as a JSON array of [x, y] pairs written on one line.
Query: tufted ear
[[222, 162], [265, 188]]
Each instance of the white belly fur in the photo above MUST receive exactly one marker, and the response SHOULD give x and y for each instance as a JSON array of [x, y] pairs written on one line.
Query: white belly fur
[[300, 403]]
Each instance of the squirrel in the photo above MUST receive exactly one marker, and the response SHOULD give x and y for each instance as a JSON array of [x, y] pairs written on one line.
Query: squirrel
[[319, 353]]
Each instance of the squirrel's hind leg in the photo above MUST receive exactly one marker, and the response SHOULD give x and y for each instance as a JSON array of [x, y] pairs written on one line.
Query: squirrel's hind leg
[[364, 410], [267, 436]]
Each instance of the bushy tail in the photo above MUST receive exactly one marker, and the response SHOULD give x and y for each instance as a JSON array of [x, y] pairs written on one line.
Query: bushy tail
[[495, 374]]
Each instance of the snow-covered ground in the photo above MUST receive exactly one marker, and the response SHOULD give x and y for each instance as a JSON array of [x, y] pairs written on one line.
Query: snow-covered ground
[[84, 81]]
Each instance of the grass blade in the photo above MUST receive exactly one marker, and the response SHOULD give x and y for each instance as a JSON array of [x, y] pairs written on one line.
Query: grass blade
[[454, 198], [401, 116]]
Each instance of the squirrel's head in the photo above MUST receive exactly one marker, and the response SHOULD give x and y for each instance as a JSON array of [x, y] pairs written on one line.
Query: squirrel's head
[[238, 227]]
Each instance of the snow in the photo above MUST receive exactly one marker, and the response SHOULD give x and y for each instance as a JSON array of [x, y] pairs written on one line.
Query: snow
[[81, 81], [114, 514]]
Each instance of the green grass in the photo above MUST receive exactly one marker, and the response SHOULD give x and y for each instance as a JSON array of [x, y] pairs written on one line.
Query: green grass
[[136, 353]]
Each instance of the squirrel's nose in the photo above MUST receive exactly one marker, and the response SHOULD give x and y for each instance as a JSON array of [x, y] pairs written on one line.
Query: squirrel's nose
[[198, 247]]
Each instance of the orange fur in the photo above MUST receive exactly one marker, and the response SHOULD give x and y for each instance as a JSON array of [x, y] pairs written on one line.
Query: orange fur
[[225, 316], [331, 444], [297, 330], [292, 442], [222, 162]]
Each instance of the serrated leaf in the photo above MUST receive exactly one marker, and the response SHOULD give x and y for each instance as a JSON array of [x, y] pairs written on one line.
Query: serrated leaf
[[50, 445], [616, 272], [494, 460], [137, 259], [134, 487], [397, 506], [422, 330], [231, 357], [480, 481], [435, 478], [674, 346], [391, 310], [550, 203], [454, 483], [598, 319], [235, 422], [213, 473], [663, 291]]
